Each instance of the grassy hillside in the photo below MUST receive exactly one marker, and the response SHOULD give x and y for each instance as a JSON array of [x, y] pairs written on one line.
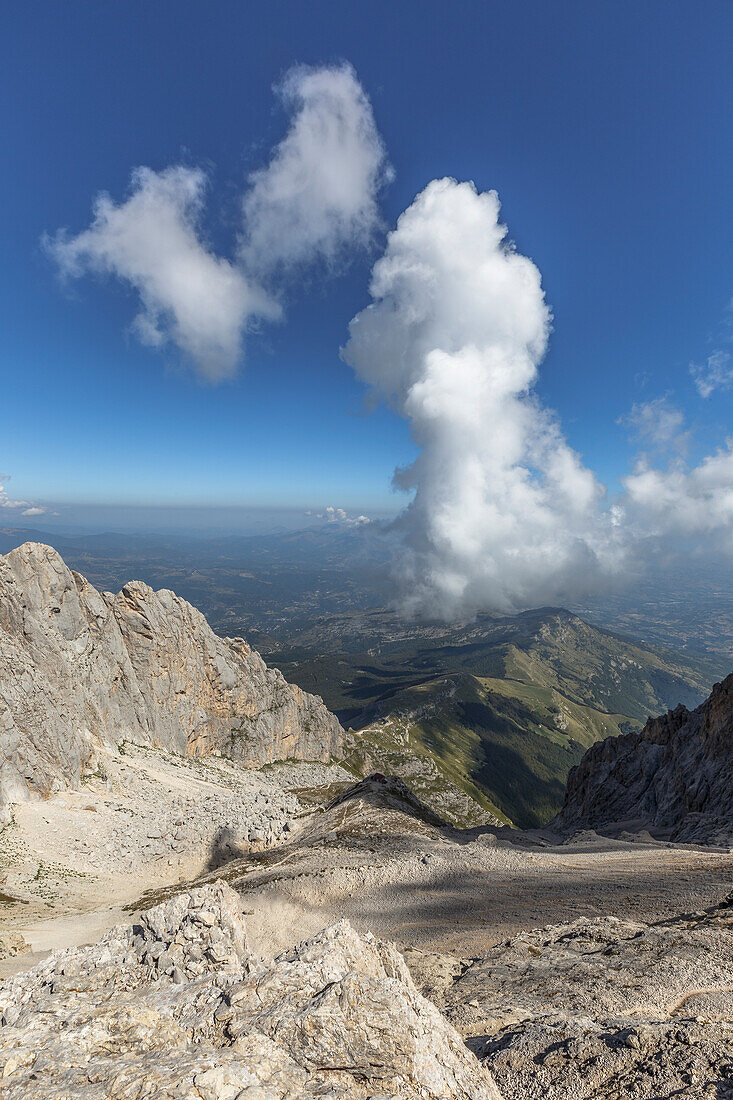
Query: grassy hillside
[[397, 746], [506, 745], [502, 708]]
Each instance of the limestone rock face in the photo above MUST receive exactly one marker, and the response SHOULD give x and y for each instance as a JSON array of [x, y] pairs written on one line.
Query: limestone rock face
[[176, 1006], [673, 776], [79, 667]]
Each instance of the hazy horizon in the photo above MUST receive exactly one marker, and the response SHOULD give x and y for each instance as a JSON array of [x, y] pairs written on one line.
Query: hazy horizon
[[376, 272]]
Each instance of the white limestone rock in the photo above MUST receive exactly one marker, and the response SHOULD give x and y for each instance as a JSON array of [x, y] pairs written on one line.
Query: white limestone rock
[[80, 668], [336, 1017]]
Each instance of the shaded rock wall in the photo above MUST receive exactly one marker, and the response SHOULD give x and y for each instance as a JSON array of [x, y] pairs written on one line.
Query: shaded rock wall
[[675, 776]]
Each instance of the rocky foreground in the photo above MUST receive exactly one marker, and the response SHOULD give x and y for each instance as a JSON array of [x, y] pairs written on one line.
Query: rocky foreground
[[82, 669], [176, 1006], [601, 1008], [674, 777]]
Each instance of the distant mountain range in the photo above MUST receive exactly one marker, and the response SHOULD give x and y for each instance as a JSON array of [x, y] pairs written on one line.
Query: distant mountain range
[[483, 717], [503, 706], [281, 583]]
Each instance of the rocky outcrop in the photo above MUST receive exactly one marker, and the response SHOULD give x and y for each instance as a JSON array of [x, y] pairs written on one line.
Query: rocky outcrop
[[176, 1005], [604, 1009], [673, 777], [388, 792], [80, 667], [12, 943]]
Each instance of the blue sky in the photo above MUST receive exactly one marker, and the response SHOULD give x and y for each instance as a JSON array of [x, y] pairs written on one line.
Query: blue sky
[[605, 129]]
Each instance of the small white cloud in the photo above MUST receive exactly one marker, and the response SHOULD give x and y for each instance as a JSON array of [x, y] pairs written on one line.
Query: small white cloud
[[715, 374], [316, 199], [188, 295], [318, 194], [659, 424], [340, 517], [25, 507]]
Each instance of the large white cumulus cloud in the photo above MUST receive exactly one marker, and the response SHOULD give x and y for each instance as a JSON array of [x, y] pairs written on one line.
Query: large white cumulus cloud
[[318, 194], [504, 513], [316, 199]]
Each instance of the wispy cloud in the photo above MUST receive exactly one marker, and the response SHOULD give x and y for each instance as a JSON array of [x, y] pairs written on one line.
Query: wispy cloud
[[716, 373], [658, 424], [316, 198], [24, 507]]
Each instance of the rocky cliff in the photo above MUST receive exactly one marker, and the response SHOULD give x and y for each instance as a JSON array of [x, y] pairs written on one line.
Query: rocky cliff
[[80, 668], [673, 777]]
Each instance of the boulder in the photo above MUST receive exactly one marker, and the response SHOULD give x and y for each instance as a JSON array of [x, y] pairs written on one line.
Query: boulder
[[335, 1017]]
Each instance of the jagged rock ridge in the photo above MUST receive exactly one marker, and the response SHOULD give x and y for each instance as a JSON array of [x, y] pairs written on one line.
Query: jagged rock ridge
[[80, 667], [674, 776], [177, 1006]]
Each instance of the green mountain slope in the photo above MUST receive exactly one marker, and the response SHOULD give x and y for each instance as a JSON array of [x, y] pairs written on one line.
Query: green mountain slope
[[506, 745], [498, 710], [603, 670]]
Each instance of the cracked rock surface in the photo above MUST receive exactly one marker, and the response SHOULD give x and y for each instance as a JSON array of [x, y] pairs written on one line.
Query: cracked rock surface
[[599, 1009], [176, 1006], [674, 777]]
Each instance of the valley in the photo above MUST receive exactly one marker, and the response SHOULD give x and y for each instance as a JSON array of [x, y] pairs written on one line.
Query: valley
[[503, 706], [488, 715], [209, 886]]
